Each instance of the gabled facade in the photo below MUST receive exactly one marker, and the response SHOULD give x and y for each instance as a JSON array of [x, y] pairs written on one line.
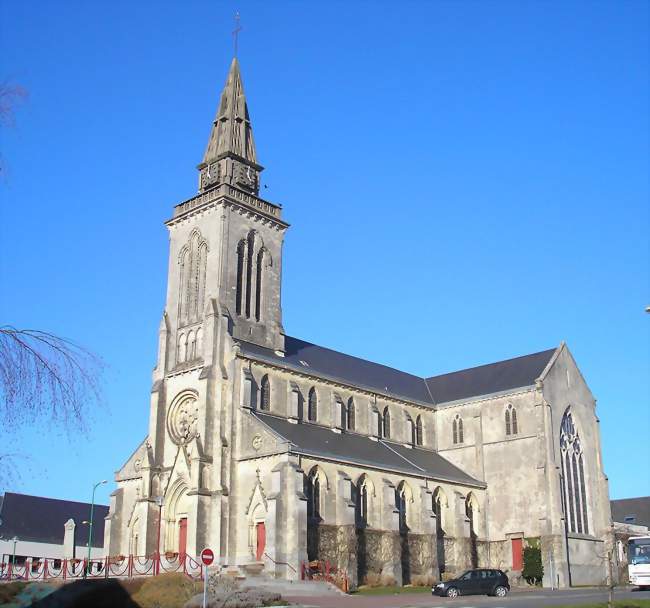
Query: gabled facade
[[274, 451]]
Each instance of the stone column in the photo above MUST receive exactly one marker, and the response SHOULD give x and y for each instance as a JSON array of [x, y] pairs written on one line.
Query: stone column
[[346, 534], [390, 547]]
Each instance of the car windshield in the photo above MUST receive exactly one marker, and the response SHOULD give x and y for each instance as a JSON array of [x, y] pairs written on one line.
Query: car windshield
[[638, 552]]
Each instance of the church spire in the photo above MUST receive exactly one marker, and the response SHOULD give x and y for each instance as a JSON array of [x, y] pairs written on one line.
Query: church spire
[[230, 156]]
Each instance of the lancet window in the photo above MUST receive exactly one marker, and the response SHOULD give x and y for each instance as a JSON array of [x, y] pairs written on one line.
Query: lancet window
[[312, 492], [457, 430], [573, 476], [252, 260], [265, 394], [419, 431], [511, 421], [350, 415], [386, 423], [312, 406]]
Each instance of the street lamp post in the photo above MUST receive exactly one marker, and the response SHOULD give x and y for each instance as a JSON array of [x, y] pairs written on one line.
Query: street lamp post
[[90, 524]]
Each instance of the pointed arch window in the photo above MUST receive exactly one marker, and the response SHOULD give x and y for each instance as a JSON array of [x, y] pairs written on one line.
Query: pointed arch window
[[361, 502], [400, 506], [312, 406], [312, 492], [265, 394], [192, 262], [419, 431], [386, 423], [572, 459], [457, 430], [249, 272], [410, 429], [351, 415], [259, 284], [511, 420], [241, 264]]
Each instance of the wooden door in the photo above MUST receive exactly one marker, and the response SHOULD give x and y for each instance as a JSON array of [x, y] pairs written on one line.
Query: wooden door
[[182, 536], [517, 554], [261, 540]]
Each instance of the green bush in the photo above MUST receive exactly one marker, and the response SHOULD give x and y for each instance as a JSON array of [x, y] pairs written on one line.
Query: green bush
[[533, 569]]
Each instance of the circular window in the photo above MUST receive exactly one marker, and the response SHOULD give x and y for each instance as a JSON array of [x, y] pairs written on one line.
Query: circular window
[[183, 417]]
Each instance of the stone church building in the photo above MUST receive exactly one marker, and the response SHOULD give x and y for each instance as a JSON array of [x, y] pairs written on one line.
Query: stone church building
[[274, 451]]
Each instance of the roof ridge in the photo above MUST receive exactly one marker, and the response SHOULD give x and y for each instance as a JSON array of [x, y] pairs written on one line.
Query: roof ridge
[[78, 502]]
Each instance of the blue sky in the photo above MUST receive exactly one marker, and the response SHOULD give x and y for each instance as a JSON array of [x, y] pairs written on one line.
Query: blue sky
[[466, 182]]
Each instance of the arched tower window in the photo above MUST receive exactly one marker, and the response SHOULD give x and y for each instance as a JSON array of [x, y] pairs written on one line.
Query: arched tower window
[[419, 431], [241, 265], [265, 390], [573, 476], [457, 430], [259, 283], [386, 423], [312, 407], [192, 261], [249, 272], [351, 415]]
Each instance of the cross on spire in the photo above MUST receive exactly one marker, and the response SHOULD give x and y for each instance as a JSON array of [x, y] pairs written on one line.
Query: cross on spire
[[235, 32]]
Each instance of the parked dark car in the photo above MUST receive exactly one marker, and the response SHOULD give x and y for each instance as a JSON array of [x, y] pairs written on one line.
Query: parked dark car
[[475, 582]]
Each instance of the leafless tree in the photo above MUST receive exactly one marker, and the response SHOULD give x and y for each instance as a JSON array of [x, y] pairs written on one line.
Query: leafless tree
[[10, 96], [44, 379]]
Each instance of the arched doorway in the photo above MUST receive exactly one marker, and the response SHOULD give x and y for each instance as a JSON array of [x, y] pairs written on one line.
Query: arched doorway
[[176, 510]]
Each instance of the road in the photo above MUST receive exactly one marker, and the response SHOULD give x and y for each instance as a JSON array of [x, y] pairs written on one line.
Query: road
[[522, 599]]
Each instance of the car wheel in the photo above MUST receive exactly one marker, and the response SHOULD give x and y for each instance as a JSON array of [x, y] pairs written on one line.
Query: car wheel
[[501, 591], [452, 592]]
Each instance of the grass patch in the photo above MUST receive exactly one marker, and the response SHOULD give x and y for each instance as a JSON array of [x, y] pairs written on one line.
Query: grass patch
[[165, 591], [9, 591], [391, 590]]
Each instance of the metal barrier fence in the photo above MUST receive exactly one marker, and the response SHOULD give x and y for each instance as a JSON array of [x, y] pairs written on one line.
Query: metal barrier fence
[[120, 566]]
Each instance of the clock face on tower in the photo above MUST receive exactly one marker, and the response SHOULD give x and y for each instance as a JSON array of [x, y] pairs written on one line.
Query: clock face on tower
[[247, 177], [209, 175]]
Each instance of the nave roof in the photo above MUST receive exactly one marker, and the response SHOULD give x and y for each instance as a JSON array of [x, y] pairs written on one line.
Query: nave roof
[[464, 384]]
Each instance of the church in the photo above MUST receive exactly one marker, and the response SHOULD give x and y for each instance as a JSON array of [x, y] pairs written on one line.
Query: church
[[274, 451]]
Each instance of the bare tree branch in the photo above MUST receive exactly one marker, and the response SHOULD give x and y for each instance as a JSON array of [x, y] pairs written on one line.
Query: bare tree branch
[[44, 380], [10, 96]]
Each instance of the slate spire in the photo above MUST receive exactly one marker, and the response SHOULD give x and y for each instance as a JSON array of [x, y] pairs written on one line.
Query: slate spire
[[230, 156]]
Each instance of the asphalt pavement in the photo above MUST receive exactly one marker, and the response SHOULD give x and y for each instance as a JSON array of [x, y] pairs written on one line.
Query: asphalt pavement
[[516, 599]]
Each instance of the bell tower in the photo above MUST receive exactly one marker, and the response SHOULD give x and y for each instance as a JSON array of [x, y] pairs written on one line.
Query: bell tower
[[225, 243]]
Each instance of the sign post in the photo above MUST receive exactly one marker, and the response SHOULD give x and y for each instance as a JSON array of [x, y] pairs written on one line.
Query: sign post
[[207, 557]]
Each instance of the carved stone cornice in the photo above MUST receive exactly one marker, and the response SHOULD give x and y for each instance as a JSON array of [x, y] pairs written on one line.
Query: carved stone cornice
[[228, 195]]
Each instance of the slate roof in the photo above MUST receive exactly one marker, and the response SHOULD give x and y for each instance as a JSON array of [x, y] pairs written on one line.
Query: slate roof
[[483, 380], [491, 378], [37, 519], [319, 441], [639, 508]]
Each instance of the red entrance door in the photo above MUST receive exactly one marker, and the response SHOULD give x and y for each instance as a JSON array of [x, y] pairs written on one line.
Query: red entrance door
[[182, 536], [517, 554], [261, 540]]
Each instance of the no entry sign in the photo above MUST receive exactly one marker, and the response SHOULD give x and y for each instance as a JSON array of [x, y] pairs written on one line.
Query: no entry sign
[[207, 556]]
